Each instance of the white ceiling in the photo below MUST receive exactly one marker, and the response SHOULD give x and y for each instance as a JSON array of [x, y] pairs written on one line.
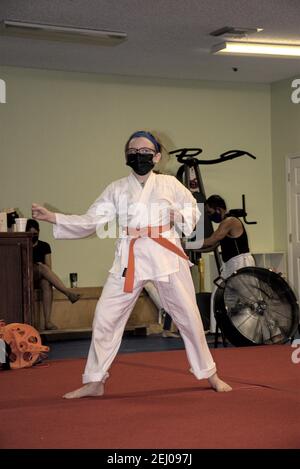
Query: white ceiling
[[166, 38]]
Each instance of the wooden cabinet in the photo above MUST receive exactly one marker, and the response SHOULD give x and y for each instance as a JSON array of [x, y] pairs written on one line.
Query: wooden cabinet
[[16, 277]]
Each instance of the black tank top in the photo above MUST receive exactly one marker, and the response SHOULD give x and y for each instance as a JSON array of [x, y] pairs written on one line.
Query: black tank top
[[232, 247]]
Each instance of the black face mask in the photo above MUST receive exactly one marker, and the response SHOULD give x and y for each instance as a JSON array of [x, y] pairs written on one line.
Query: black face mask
[[35, 239], [141, 163], [216, 217]]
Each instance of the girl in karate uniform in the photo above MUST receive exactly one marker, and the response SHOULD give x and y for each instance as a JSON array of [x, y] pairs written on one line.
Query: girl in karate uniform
[[151, 209]]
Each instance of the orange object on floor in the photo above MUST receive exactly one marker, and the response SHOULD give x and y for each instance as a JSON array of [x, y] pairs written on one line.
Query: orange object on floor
[[24, 343]]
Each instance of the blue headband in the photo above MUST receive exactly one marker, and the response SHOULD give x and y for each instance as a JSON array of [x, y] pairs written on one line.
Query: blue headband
[[148, 135]]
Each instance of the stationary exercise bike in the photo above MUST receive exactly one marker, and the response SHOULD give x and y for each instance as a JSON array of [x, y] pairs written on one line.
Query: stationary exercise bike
[[253, 306]]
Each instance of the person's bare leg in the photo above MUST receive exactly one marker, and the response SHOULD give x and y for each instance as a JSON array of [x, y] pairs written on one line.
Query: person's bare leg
[[218, 385], [47, 298], [48, 274], [95, 389]]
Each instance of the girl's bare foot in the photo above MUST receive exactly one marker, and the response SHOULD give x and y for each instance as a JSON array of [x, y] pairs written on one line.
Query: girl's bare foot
[[218, 385], [89, 389]]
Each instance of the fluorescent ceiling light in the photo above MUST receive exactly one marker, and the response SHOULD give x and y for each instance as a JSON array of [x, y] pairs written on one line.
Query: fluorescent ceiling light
[[61, 33], [255, 48]]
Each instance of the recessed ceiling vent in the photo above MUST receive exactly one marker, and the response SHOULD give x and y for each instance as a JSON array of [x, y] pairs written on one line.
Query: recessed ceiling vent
[[231, 32]]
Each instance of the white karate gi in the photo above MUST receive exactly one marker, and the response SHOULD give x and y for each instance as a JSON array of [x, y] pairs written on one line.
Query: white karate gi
[[133, 206]]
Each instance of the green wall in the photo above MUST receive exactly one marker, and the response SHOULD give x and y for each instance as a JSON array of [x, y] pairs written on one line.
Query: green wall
[[62, 138], [285, 122]]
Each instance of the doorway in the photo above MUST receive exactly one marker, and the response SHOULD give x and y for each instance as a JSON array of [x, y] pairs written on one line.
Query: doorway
[[293, 206]]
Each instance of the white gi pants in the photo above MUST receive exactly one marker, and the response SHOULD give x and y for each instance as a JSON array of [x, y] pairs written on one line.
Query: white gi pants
[[113, 311], [227, 269]]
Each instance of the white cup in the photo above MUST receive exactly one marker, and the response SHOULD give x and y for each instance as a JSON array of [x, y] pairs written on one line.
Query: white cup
[[21, 224]]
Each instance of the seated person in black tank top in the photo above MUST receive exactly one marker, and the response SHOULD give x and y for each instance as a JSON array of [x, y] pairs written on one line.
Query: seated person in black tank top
[[231, 233], [232, 237], [43, 276]]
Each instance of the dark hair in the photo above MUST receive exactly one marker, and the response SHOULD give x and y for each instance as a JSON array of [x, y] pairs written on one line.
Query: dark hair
[[215, 201], [145, 134], [32, 224]]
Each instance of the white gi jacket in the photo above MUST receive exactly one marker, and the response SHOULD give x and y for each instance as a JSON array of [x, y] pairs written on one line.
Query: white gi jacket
[[136, 206]]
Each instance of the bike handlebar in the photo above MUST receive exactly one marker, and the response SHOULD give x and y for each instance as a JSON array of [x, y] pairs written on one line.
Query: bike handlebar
[[187, 155]]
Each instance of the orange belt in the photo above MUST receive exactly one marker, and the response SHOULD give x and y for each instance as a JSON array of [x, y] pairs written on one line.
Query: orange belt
[[153, 232]]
